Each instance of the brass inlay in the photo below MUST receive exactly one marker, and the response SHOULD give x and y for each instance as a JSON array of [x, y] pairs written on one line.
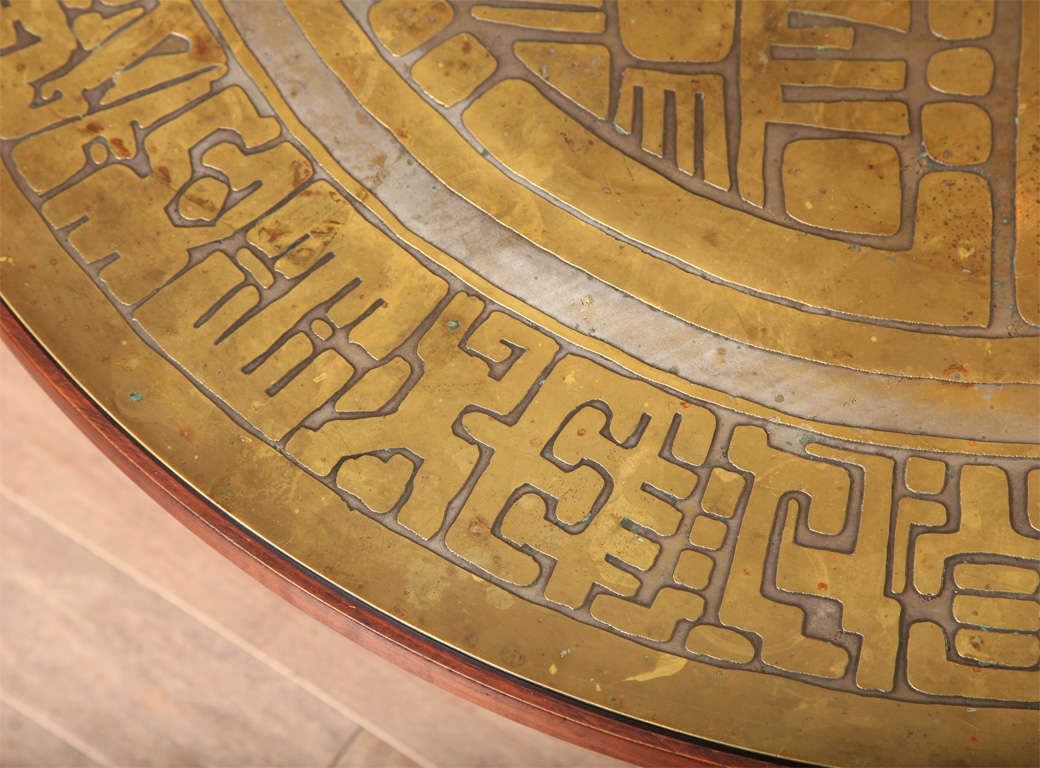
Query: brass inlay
[[925, 475], [959, 20], [1013, 650], [765, 74], [512, 117], [685, 89], [956, 133], [1001, 578], [1027, 161], [866, 198], [930, 671], [537, 18], [360, 399], [404, 25], [452, 70], [966, 71], [658, 30], [577, 70]]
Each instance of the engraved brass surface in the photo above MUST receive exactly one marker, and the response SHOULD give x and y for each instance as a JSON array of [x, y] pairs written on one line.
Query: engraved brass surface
[[678, 356]]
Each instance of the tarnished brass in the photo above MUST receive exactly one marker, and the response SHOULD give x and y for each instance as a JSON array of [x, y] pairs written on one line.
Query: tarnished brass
[[678, 356]]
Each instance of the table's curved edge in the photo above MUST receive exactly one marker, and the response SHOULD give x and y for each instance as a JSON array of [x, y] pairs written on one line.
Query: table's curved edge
[[500, 692]]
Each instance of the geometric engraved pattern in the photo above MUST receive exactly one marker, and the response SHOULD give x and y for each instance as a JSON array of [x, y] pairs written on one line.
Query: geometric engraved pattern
[[800, 69], [875, 564], [756, 113]]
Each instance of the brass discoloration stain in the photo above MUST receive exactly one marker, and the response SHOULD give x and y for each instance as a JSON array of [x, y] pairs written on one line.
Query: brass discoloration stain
[[451, 71], [404, 25]]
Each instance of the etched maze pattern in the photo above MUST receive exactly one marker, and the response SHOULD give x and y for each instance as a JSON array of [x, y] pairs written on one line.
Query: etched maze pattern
[[795, 112], [555, 475], [693, 88]]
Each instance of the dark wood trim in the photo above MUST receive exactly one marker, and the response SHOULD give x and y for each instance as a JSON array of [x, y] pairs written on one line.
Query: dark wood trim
[[517, 699]]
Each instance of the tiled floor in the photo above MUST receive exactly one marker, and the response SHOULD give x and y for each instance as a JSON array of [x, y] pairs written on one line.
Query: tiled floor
[[126, 641]]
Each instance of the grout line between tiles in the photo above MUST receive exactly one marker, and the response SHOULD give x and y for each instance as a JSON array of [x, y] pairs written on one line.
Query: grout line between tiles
[[346, 745], [42, 720], [361, 721]]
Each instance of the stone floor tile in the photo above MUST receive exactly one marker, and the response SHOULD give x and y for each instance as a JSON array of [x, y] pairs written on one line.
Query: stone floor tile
[[367, 751], [26, 743], [136, 678]]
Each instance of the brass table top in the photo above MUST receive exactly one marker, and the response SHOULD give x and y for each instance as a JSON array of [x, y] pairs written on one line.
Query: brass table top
[[681, 357]]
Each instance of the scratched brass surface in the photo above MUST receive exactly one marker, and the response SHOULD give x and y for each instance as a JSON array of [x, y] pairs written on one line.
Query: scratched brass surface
[[679, 356]]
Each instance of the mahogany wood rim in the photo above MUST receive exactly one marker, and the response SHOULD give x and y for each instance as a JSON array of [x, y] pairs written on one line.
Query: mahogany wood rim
[[519, 700]]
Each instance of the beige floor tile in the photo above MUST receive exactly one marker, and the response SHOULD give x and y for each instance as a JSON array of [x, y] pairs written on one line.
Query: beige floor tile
[[366, 751], [25, 743], [96, 504], [135, 677]]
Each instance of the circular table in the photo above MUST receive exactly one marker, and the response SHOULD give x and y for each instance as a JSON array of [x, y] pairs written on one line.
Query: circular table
[[660, 373]]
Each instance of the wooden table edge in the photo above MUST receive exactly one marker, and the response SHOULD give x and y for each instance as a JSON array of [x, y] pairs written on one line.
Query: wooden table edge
[[524, 702]]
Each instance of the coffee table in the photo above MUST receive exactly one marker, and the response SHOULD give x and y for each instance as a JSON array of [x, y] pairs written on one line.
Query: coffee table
[[660, 373]]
